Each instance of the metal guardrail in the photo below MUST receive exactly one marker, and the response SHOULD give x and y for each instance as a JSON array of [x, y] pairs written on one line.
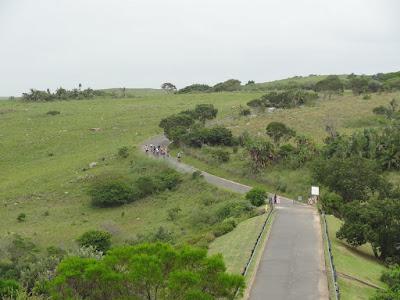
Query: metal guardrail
[[332, 265], [253, 250]]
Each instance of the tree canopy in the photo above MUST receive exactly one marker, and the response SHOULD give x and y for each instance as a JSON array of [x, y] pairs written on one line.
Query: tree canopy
[[146, 271]]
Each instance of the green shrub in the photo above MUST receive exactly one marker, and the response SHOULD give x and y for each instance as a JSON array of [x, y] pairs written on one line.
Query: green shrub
[[173, 213], [226, 226], [244, 112], [366, 97], [256, 196], [196, 174], [169, 179], [53, 112], [100, 240], [221, 155], [112, 193], [331, 203], [21, 217], [8, 289], [123, 152]]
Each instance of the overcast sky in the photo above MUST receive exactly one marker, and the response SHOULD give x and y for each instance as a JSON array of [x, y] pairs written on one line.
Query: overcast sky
[[142, 43]]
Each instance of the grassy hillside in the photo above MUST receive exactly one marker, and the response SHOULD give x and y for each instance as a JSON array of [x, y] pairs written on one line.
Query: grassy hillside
[[43, 157], [359, 263]]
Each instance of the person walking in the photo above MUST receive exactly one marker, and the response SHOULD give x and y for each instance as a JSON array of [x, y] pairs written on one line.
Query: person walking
[[179, 155], [275, 199]]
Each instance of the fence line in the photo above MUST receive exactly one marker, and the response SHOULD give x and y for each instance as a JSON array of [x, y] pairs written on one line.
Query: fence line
[[253, 251], [332, 265]]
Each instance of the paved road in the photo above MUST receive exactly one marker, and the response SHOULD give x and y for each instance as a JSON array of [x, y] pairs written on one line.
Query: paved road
[[292, 265], [212, 179]]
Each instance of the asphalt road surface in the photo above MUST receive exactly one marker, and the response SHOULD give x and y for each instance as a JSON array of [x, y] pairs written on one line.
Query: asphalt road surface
[[292, 265]]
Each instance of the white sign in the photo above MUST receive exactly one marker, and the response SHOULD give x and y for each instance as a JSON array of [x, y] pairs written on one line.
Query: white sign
[[315, 190]]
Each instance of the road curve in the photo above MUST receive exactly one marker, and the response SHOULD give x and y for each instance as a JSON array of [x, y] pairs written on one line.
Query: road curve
[[292, 265]]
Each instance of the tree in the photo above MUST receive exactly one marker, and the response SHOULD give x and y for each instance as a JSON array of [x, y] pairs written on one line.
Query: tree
[[375, 222], [359, 84], [256, 196], [279, 131], [169, 87], [147, 271], [205, 112], [392, 280], [331, 84], [100, 240], [170, 123], [353, 178], [227, 86], [195, 88]]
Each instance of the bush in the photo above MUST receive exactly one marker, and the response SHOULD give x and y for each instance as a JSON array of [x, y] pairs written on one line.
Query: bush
[[228, 86], [196, 174], [169, 179], [199, 88], [8, 289], [123, 152], [173, 213], [147, 185], [331, 204], [100, 240], [244, 111], [112, 193], [226, 226], [21, 217], [53, 112], [256, 196], [220, 155]]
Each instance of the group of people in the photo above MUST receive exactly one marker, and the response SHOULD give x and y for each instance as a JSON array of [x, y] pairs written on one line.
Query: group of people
[[156, 150]]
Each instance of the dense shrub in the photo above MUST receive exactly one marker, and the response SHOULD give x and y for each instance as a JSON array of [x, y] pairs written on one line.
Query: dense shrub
[[123, 152], [59, 94], [112, 193], [100, 240], [21, 217], [221, 155], [196, 175], [169, 124], [227, 86], [147, 271], [53, 112], [213, 136], [226, 226], [195, 88], [168, 179], [279, 131], [284, 99], [331, 203], [147, 185], [256, 196], [244, 111]]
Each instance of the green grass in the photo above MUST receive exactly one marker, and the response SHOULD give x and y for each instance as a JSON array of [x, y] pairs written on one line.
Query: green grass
[[42, 159], [236, 245], [357, 262]]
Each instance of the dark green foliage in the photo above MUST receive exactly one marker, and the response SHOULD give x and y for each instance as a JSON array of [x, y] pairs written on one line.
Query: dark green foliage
[[8, 289], [213, 136], [332, 203], [21, 217], [100, 240], [123, 152], [205, 112], [168, 86], [195, 88], [162, 234], [147, 185], [173, 213], [113, 192], [359, 84], [331, 84], [244, 111], [392, 280], [256, 196], [376, 222], [60, 94], [286, 150], [391, 111], [230, 85], [53, 112], [171, 123], [226, 226], [196, 175], [221, 155], [284, 99], [353, 178], [381, 145], [168, 179], [279, 131], [146, 271]]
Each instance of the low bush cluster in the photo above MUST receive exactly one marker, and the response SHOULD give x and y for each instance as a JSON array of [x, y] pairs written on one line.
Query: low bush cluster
[[117, 192], [59, 94], [99, 240], [256, 196]]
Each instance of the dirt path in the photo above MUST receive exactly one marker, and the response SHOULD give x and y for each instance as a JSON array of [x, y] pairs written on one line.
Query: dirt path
[[292, 265]]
